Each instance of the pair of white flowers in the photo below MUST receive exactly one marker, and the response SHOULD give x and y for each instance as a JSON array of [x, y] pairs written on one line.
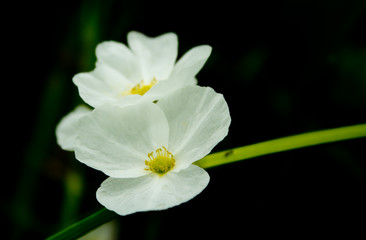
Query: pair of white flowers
[[150, 122]]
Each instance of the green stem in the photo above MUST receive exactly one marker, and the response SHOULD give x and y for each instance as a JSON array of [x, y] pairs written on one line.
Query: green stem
[[282, 144], [229, 156], [84, 226]]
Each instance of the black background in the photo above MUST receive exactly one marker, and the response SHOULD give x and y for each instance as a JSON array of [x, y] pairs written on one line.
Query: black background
[[284, 67]]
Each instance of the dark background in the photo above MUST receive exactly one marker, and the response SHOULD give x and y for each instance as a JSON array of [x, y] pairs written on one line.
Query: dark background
[[284, 67]]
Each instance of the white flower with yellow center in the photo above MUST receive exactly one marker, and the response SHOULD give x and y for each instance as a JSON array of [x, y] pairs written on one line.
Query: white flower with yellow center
[[147, 149], [147, 65]]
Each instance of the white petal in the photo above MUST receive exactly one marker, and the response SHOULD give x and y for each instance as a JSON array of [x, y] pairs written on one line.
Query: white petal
[[117, 140], [163, 88], [66, 129], [101, 85], [120, 58], [156, 55], [151, 192], [192, 62], [183, 73], [198, 119]]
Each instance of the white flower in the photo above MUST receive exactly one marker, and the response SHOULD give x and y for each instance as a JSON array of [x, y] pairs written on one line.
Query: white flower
[[121, 71], [147, 149]]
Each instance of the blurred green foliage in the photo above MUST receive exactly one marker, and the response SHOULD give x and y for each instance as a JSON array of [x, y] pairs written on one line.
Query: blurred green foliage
[[284, 67]]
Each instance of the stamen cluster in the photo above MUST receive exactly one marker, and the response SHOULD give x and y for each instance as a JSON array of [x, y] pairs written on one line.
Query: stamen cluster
[[161, 163], [141, 88]]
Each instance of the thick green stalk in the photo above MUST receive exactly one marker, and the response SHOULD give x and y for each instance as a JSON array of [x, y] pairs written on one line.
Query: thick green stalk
[[229, 156], [282, 144]]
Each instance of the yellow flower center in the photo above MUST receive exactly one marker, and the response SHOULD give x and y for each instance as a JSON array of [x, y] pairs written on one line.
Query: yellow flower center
[[161, 162], [141, 88]]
